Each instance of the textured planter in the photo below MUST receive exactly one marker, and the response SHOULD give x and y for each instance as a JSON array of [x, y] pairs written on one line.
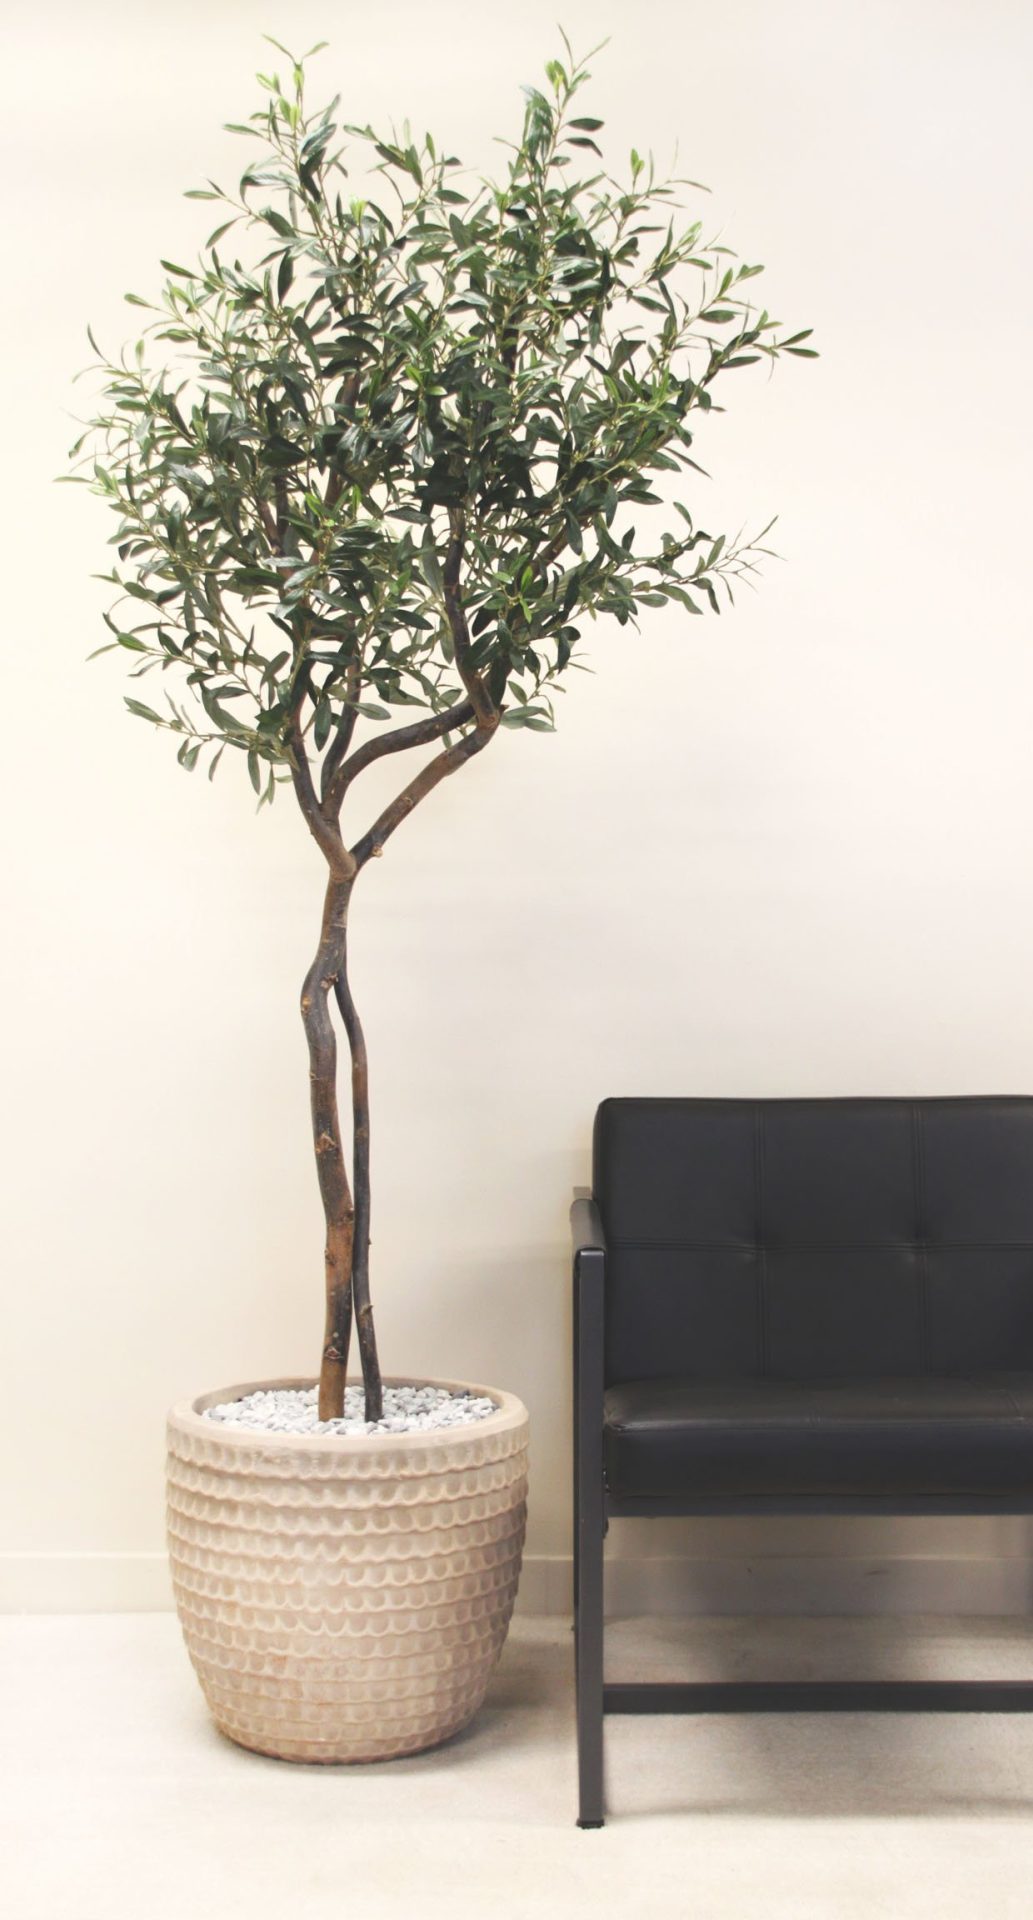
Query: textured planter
[[345, 1597]]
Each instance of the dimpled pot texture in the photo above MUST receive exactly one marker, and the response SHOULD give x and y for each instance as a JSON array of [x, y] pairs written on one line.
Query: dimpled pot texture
[[345, 1597]]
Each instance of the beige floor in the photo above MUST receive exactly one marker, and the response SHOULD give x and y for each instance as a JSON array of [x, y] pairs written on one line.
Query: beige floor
[[118, 1801]]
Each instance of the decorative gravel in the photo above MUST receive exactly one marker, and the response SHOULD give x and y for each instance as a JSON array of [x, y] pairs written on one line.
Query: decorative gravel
[[406, 1410]]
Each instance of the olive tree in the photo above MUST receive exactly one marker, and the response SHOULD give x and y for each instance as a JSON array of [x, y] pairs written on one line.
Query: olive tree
[[375, 451]]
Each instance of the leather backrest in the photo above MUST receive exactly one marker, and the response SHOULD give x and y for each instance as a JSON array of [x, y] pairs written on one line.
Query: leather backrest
[[802, 1238]]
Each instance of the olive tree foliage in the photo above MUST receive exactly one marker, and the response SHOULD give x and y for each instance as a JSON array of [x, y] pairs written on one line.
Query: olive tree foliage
[[369, 455], [510, 356]]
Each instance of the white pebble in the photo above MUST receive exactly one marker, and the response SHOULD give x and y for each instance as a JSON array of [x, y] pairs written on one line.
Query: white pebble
[[406, 1410]]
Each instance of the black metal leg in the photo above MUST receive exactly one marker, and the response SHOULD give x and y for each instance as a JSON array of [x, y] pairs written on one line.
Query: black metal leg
[[588, 1660], [589, 1510]]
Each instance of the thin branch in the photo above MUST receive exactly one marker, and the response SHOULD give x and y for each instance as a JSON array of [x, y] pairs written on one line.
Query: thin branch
[[436, 770], [324, 831], [283, 508], [269, 524], [419, 734], [342, 740], [481, 701]]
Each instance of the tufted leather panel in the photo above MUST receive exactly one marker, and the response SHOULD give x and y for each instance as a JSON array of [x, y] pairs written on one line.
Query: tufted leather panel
[[824, 1239]]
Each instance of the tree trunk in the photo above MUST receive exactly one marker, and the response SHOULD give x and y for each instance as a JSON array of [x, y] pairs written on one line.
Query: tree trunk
[[326, 1132], [360, 1174]]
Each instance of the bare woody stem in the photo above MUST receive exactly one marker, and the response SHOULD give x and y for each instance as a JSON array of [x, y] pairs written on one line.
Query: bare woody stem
[[341, 742], [334, 1189], [348, 1219], [486, 712], [430, 776], [362, 1306], [420, 734], [324, 975], [478, 706]]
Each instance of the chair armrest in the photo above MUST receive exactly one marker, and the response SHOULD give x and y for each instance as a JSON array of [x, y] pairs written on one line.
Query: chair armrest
[[589, 1241], [587, 1229]]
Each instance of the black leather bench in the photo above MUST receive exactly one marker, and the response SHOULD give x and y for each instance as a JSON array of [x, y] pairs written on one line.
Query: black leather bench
[[797, 1306]]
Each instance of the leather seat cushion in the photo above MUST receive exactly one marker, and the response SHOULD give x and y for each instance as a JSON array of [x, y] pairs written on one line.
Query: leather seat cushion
[[753, 1438]]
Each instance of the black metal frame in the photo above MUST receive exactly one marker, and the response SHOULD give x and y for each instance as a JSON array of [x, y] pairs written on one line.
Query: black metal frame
[[593, 1506]]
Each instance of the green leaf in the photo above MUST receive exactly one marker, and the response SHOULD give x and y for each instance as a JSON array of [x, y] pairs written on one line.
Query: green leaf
[[679, 594], [254, 770], [279, 225], [531, 717], [431, 567], [144, 713]]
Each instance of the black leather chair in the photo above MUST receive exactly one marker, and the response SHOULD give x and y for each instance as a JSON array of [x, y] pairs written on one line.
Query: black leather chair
[[797, 1306]]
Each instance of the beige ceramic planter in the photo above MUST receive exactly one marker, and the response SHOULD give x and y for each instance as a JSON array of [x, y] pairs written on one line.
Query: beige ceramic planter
[[345, 1597]]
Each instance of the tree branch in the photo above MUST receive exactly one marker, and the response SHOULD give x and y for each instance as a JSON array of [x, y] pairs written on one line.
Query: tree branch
[[283, 508], [419, 734], [481, 701], [324, 830], [436, 770], [272, 533], [341, 741]]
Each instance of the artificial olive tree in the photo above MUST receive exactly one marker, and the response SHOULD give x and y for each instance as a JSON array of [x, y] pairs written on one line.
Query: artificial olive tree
[[375, 451]]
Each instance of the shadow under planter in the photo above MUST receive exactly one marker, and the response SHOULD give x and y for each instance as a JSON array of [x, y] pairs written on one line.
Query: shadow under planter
[[345, 1597]]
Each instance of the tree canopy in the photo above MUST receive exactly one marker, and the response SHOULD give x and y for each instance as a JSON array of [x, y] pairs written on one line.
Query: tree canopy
[[370, 451]]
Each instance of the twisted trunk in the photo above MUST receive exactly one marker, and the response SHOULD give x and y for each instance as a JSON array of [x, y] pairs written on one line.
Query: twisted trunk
[[362, 1308], [348, 1219], [347, 1215], [334, 1188]]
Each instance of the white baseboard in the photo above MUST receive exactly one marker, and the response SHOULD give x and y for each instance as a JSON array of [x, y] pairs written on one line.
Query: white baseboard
[[674, 1584]]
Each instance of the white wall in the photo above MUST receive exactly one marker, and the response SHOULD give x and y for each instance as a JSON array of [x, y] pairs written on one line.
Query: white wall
[[786, 853]]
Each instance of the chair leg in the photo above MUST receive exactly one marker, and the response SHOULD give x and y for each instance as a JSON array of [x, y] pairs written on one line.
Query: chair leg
[[589, 1528], [588, 1659]]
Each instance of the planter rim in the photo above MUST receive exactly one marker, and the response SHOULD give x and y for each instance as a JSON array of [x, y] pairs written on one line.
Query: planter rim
[[187, 1416]]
